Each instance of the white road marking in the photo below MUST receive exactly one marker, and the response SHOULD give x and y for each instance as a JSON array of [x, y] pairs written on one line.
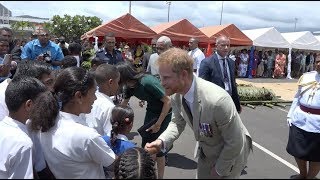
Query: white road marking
[[283, 110], [276, 157]]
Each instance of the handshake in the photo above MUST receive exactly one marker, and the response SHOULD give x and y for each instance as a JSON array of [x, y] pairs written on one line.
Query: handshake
[[154, 147]]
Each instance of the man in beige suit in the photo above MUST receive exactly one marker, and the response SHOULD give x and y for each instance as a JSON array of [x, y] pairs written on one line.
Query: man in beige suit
[[224, 142]]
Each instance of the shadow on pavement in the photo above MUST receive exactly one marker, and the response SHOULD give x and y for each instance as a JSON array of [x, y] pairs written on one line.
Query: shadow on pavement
[[131, 135], [182, 162]]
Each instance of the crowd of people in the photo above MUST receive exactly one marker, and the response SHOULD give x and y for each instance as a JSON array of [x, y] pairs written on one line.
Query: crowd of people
[[65, 111], [274, 63]]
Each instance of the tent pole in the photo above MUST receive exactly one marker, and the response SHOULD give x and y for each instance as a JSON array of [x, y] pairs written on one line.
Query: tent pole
[[289, 65]]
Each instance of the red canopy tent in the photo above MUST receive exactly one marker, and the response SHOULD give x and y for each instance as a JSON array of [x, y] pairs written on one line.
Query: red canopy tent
[[126, 28], [180, 32], [237, 38]]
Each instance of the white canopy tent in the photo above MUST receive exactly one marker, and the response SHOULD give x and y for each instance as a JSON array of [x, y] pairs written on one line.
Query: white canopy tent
[[267, 37], [318, 37], [300, 40]]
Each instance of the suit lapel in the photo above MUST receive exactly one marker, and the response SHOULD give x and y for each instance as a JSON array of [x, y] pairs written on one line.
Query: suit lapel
[[196, 109], [231, 68], [218, 68]]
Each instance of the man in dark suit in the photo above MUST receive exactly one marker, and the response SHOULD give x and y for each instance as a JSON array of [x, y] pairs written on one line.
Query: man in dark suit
[[220, 69]]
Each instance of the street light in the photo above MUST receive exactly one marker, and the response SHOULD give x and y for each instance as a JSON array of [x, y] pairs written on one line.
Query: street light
[[221, 13], [295, 24], [169, 3]]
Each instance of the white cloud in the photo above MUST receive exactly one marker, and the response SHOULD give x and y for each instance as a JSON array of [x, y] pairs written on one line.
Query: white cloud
[[244, 14]]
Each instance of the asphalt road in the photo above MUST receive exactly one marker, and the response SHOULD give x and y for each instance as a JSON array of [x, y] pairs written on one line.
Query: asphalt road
[[269, 131]]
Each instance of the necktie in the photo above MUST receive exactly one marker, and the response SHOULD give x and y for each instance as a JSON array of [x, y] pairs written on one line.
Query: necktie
[[225, 75], [186, 107]]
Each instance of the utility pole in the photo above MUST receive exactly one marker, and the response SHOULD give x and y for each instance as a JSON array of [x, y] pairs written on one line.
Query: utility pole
[[295, 24], [221, 13], [169, 3], [129, 7]]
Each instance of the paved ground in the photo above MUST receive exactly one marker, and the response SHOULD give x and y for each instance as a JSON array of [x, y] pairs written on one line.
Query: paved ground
[[268, 129]]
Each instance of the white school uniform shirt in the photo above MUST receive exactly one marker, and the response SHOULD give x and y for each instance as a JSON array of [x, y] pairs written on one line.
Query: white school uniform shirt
[[39, 162], [100, 115], [15, 151], [75, 151], [3, 106], [197, 55]]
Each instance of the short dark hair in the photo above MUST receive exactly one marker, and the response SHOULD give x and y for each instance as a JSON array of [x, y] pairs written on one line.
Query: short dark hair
[[97, 61], [35, 69], [105, 72], [22, 89], [68, 61], [75, 48], [6, 29], [135, 163]]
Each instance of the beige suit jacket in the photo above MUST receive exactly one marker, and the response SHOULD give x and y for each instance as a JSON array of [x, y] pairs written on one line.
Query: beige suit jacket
[[213, 105]]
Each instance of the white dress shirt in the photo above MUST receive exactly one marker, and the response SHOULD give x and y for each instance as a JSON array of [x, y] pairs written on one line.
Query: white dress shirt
[[228, 69], [78, 60], [15, 151], [75, 151], [197, 55], [3, 106], [152, 67], [100, 115], [189, 96]]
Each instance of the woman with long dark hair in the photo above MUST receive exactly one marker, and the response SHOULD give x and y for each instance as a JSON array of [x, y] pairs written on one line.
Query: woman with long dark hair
[[148, 88]]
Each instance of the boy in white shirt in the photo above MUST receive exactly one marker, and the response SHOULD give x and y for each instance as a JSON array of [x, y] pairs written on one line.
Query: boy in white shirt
[[16, 145], [107, 77]]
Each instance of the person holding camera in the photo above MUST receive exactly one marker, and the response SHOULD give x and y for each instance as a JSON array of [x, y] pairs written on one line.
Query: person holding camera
[[42, 49]]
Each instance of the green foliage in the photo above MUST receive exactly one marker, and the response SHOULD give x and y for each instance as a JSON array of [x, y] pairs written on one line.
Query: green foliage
[[21, 26], [72, 27]]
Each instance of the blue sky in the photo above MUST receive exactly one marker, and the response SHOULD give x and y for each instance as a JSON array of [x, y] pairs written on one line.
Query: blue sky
[[244, 14]]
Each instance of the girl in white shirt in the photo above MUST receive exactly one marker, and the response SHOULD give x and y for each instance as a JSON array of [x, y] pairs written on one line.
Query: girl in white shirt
[[16, 145], [71, 149]]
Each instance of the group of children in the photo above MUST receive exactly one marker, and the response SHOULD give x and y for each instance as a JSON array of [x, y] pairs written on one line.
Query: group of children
[[61, 126]]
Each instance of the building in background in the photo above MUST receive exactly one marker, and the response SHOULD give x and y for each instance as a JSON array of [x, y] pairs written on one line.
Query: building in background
[[6, 19]]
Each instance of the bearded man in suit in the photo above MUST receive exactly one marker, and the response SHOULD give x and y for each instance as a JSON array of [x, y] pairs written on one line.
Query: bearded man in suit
[[220, 69], [223, 141]]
